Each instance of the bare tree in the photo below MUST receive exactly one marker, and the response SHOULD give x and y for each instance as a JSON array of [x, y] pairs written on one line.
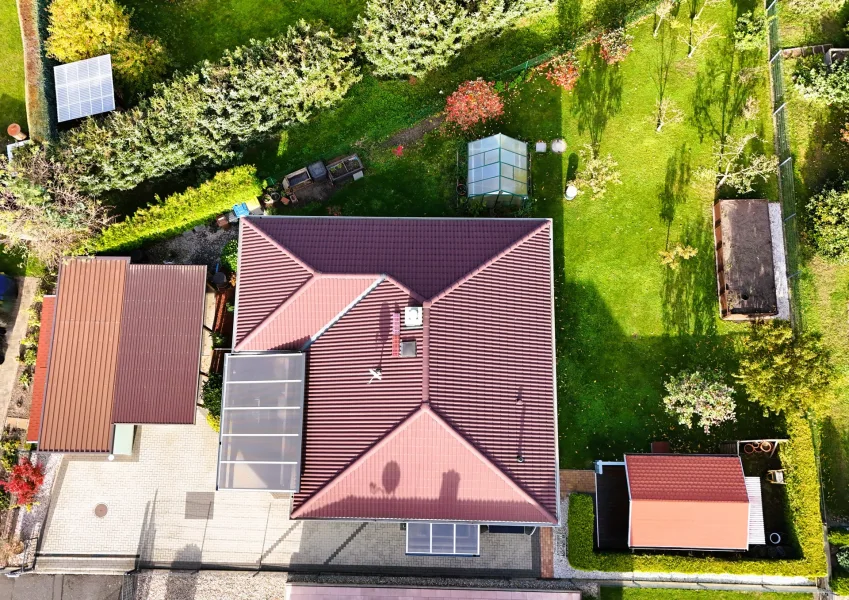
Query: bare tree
[[662, 12], [699, 34], [735, 169], [667, 113]]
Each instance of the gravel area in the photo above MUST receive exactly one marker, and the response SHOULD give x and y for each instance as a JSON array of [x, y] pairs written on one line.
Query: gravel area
[[209, 585], [563, 570], [199, 246]]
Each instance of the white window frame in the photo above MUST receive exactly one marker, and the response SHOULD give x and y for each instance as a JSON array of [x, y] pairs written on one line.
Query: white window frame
[[430, 551]]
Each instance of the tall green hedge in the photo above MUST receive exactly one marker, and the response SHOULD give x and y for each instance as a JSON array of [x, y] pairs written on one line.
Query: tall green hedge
[[181, 212], [803, 504], [206, 116]]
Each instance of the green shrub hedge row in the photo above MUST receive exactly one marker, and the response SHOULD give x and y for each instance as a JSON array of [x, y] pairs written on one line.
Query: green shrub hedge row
[[838, 538], [181, 212], [803, 505]]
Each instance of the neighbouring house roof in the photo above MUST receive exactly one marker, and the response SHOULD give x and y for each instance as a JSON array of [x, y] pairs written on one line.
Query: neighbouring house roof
[[611, 507], [159, 347], [483, 366], [39, 379], [125, 345], [687, 502], [745, 257]]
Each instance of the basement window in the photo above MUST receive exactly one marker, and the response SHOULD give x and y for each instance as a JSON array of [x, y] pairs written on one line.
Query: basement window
[[443, 539]]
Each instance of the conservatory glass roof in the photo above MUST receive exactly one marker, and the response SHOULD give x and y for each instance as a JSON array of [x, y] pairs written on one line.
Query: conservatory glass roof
[[498, 165]]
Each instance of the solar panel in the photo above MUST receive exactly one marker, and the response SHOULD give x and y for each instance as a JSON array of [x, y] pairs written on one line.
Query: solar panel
[[262, 415], [84, 88]]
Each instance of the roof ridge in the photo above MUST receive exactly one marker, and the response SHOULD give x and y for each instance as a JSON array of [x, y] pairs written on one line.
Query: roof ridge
[[491, 260], [284, 249], [420, 412], [378, 280], [280, 308]]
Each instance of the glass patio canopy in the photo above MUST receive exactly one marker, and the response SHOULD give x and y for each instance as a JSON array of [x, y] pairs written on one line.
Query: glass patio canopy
[[262, 415], [498, 166]]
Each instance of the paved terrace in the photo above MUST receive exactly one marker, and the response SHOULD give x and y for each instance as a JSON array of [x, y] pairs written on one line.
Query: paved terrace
[[163, 511]]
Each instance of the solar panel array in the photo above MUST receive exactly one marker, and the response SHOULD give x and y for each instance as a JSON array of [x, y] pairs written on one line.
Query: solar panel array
[[262, 415], [84, 88]]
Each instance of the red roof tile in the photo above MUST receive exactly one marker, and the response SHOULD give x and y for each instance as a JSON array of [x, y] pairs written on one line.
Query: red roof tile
[[159, 348], [39, 379], [312, 308], [691, 477], [485, 355], [423, 469], [687, 501]]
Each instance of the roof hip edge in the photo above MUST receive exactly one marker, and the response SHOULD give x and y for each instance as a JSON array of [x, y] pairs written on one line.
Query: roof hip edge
[[249, 222], [544, 224]]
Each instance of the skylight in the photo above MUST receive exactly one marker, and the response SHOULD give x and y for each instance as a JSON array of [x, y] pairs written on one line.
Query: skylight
[[453, 539]]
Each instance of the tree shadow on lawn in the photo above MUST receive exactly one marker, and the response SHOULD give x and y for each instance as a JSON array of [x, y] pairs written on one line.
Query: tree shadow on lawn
[[722, 88], [825, 157], [598, 96]]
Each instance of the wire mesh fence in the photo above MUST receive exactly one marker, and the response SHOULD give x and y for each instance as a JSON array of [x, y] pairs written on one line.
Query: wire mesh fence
[[786, 185]]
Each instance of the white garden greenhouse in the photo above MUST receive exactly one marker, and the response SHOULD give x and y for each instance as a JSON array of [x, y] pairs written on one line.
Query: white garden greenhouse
[[498, 168]]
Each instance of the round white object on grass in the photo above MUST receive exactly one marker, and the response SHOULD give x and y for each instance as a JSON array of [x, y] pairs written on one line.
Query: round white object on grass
[[558, 146], [571, 192]]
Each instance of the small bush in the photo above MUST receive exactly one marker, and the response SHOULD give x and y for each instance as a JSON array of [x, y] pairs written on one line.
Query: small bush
[[25, 379], [840, 585], [829, 211], [24, 482], [750, 32], [843, 559], [615, 45], [563, 70], [9, 449], [29, 358], [702, 395], [598, 173], [474, 102], [181, 212], [819, 83], [230, 256], [838, 538], [212, 390]]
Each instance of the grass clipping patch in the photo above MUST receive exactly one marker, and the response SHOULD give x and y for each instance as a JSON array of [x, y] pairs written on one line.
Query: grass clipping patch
[[804, 514]]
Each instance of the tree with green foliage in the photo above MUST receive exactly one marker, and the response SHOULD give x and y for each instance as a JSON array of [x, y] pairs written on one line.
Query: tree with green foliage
[[569, 20], [702, 395], [829, 213], [784, 372], [412, 37], [80, 29], [41, 208], [750, 32], [205, 117], [230, 256], [180, 212], [823, 84]]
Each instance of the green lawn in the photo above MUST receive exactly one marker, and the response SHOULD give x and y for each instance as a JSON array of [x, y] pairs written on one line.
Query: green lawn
[[611, 593], [821, 157], [12, 106], [624, 321], [194, 30]]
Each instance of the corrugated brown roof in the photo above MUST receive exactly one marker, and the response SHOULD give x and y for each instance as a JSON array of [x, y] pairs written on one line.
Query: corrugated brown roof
[[39, 379], [484, 358], [81, 375], [687, 501], [159, 348]]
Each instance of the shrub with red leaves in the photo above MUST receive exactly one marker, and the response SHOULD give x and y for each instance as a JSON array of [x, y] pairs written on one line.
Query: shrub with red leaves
[[614, 45], [474, 102], [563, 70], [24, 482]]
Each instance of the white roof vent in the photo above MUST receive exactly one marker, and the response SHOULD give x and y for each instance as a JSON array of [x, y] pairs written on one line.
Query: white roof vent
[[413, 317]]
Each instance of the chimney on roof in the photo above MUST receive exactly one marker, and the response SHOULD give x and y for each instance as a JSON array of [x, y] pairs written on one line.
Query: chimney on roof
[[396, 334]]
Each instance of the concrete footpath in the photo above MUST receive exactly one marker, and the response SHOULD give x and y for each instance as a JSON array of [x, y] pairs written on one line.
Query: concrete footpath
[[61, 587]]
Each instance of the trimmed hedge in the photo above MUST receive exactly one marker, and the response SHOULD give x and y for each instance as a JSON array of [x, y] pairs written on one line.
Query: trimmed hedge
[[803, 500], [181, 212]]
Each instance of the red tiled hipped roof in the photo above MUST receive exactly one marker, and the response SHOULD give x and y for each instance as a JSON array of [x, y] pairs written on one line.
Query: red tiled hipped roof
[[484, 355], [39, 379], [423, 469], [688, 502]]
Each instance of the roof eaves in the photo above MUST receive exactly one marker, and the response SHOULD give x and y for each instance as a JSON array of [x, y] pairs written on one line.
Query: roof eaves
[[488, 262]]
